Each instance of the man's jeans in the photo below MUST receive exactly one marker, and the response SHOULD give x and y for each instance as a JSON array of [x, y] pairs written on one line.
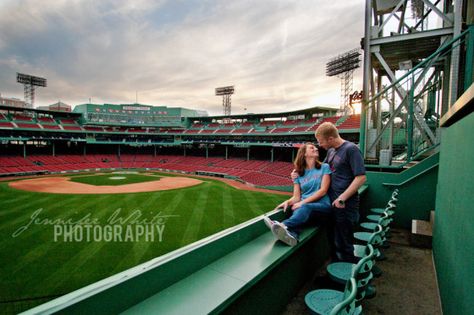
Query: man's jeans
[[345, 220]]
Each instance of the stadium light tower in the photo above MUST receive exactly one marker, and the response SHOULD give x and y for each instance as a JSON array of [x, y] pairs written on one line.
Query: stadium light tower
[[344, 66], [30, 83], [226, 93]]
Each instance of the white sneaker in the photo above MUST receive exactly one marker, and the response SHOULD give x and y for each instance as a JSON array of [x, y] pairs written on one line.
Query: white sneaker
[[280, 231], [269, 223]]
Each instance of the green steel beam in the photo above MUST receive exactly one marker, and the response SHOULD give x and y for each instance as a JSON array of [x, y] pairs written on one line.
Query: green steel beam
[[469, 68], [440, 51], [363, 123], [410, 122]]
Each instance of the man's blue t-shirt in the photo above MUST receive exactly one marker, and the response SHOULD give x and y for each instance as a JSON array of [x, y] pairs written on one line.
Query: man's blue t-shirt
[[311, 180], [346, 163]]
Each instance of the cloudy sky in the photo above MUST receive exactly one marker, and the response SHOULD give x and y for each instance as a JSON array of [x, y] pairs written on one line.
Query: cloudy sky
[[176, 52]]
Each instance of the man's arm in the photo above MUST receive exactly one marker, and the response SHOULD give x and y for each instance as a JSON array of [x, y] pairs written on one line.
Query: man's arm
[[350, 191]]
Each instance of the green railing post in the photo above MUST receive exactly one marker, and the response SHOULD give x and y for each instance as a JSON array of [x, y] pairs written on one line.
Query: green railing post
[[469, 68]]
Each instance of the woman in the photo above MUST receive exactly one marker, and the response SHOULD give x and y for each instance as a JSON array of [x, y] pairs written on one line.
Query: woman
[[309, 201]]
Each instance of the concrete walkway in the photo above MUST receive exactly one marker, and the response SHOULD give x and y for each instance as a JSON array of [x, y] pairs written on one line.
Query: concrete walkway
[[407, 286]]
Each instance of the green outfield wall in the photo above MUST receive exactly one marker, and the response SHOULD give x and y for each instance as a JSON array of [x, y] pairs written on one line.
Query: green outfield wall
[[453, 239], [275, 278]]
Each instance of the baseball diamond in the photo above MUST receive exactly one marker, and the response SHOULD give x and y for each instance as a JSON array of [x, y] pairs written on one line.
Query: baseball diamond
[[78, 233]]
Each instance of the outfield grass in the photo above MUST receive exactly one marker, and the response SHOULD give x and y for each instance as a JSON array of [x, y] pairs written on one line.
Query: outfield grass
[[33, 265], [108, 179]]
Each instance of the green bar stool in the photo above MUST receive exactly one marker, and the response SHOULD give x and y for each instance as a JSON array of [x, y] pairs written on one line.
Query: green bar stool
[[384, 222], [391, 204], [341, 272], [374, 239], [390, 208], [376, 217], [334, 302]]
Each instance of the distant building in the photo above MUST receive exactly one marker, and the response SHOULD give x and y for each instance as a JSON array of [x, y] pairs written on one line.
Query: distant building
[[137, 114], [59, 106], [13, 102]]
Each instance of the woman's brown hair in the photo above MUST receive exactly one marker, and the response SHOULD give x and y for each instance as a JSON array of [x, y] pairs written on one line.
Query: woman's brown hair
[[300, 161]]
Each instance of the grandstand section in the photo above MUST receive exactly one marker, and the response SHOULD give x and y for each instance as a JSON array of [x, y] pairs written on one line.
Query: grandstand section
[[260, 173], [106, 124]]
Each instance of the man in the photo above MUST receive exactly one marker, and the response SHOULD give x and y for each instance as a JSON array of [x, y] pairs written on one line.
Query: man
[[348, 175]]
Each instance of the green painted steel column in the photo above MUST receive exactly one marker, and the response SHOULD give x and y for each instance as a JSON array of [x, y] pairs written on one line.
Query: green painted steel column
[[469, 68], [292, 155], [367, 76], [24, 150], [271, 155], [392, 129], [410, 121], [184, 152], [378, 115], [362, 128], [207, 151], [84, 151], [154, 150], [54, 149], [248, 154], [226, 152], [118, 151]]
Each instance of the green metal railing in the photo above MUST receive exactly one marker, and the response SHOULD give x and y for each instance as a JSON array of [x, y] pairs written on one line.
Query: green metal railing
[[417, 100]]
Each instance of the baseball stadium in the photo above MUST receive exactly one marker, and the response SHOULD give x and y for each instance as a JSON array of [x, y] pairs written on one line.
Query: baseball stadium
[[140, 208]]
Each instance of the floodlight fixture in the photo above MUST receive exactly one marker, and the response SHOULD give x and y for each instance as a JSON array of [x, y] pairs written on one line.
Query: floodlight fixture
[[343, 63], [30, 79], [30, 82], [226, 92], [344, 66]]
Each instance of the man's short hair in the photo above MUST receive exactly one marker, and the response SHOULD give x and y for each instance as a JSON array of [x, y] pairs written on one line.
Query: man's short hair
[[326, 130]]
